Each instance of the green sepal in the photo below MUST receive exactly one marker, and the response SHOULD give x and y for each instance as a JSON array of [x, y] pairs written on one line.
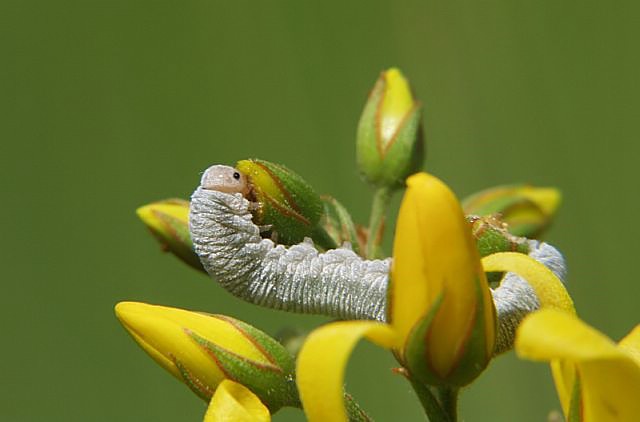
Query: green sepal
[[338, 224], [491, 236], [471, 362], [273, 383], [288, 207], [283, 358]]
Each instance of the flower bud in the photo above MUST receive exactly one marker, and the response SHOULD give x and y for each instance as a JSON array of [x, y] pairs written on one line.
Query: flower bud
[[168, 221], [440, 298], [527, 210], [288, 206], [389, 142], [338, 224], [201, 350]]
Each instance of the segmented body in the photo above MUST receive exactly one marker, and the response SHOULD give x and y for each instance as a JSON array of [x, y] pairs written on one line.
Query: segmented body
[[337, 283], [298, 278]]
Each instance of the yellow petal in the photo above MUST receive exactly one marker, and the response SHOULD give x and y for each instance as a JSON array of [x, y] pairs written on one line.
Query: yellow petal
[[233, 402], [631, 344], [609, 377], [548, 288], [434, 254], [531, 343], [321, 364], [396, 104], [551, 293]]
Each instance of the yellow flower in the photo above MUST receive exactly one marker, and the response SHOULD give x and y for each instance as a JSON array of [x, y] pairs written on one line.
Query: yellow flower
[[233, 402], [442, 317], [168, 221], [596, 379], [202, 350]]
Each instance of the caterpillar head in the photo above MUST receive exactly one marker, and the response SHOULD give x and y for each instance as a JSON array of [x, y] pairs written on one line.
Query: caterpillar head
[[285, 203], [225, 179]]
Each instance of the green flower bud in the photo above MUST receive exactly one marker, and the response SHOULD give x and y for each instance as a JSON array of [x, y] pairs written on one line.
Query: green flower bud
[[337, 222], [527, 210], [168, 221], [288, 206], [389, 142]]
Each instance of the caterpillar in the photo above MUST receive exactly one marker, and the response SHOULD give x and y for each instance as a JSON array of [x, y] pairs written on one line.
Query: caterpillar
[[337, 283]]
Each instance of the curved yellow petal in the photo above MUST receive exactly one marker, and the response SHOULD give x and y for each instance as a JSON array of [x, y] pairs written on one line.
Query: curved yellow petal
[[551, 293], [233, 402], [609, 377], [435, 254], [554, 334], [549, 289], [322, 361]]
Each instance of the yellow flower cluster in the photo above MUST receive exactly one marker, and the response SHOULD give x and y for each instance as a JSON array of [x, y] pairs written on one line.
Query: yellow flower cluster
[[441, 318]]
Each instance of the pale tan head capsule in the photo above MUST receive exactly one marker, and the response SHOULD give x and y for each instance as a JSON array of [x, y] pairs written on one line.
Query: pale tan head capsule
[[224, 179]]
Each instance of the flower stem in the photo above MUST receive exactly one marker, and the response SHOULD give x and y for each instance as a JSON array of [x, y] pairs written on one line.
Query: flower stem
[[429, 399], [448, 398], [439, 403], [376, 222]]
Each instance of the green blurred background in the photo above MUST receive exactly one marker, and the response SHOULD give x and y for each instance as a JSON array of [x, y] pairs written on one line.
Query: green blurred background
[[107, 105]]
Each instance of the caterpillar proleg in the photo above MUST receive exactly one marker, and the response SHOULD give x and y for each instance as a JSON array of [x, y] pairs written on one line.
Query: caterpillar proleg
[[336, 283]]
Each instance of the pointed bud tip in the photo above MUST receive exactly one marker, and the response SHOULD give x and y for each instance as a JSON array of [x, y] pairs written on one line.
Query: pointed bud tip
[[135, 317], [144, 212], [398, 100], [176, 208], [168, 222], [547, 198], [125, 310]]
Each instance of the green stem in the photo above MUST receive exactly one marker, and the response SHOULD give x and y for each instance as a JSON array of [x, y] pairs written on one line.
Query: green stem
[[448, 398], [378, 212], [430, 400]]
